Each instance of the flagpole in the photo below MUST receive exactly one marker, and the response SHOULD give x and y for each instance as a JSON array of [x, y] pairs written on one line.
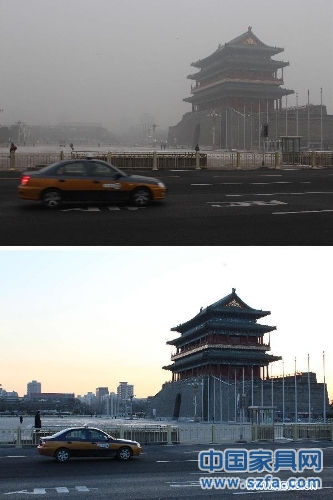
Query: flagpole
[[308, 120], [324, 388], [251, 385], [309, 391], [321, 118], [235, 398], [272, 386], [296, 410], [297, 113], [283, 391]]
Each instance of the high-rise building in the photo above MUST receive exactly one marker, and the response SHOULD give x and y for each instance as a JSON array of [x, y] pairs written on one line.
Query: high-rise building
[[34, 387], [100, 392], [125, 390]]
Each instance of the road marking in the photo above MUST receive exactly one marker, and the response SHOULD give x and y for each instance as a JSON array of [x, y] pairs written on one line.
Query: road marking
[[97, 209], [224, 204], [282, 194], [302, 212], [183, 484], [269, 183], [58, 489]]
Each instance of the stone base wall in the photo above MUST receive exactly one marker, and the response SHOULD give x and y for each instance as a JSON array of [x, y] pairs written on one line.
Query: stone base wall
[[212, 399], [231, 130]]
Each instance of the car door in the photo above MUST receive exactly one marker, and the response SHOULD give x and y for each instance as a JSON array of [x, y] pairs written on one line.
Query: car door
[[106, 182], [72, 179], [77, 444], [97, 443]]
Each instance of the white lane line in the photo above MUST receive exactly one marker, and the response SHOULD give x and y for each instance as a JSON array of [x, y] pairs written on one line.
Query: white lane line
[[201, 184], [302, 212], [283, 193]]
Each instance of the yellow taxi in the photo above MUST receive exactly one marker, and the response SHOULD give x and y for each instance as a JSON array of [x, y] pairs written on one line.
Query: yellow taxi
[[86, 442], [88, 180]]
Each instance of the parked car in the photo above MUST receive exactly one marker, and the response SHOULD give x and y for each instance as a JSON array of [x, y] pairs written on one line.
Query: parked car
[[86, 442], [88, 180]]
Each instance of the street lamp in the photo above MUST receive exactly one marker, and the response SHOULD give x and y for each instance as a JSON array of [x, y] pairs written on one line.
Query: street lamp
[[131, 396], [214, 115], [195, 386]]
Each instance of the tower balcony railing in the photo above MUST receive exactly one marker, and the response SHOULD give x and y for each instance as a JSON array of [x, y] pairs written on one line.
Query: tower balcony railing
[[192, 350], [203, 86]]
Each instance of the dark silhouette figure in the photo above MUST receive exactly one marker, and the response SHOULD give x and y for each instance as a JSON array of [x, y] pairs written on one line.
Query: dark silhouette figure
[[21, 419], [12, 148], [38, 422], [197, 148]]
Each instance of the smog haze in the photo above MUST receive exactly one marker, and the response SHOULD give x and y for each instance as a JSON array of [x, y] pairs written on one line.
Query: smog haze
[[112, 61]]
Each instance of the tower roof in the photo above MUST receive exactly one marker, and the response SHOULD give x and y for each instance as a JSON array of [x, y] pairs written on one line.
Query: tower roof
[[245, 42], [230, 303]]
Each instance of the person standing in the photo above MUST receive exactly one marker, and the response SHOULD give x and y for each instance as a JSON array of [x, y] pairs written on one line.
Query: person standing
[[12, 148], [38, 422]]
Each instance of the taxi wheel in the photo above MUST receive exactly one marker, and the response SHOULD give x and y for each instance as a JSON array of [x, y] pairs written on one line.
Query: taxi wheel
[[124, 453], [62, 455], [141, 197], [51, 198]]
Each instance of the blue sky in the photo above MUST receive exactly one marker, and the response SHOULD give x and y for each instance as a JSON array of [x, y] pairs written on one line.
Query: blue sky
[[77, 319]]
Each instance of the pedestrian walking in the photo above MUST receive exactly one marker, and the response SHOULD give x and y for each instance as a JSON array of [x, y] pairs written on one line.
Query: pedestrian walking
[[21, 419]]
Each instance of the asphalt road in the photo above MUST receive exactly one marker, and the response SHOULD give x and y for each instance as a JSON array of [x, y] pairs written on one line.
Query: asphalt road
[[161, 472], [261, 207]]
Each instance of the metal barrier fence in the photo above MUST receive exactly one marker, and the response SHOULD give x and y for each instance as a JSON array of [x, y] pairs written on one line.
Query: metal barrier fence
[[157, 434], [164, 161], [132, 161], [186, 434]]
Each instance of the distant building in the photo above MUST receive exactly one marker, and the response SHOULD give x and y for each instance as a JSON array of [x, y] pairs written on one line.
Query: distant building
[[125, 390], [34, 387], [111, 404], [8, 396], [100, 392]]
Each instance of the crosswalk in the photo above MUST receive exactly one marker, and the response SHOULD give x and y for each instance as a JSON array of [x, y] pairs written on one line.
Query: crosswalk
[[99, 209], [57, 489]]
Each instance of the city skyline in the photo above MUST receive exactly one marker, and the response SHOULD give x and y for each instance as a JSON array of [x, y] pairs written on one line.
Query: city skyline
[[79, 319]]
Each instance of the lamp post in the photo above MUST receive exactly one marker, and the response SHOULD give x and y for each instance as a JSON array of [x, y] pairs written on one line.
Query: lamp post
[[213, 115], [131, 396], [195, 386]]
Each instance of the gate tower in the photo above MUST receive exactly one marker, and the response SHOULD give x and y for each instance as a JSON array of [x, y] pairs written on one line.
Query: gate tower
[[223, 340]]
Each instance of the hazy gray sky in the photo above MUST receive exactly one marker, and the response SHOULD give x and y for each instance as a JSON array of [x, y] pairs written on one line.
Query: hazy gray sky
[[110, 61]]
